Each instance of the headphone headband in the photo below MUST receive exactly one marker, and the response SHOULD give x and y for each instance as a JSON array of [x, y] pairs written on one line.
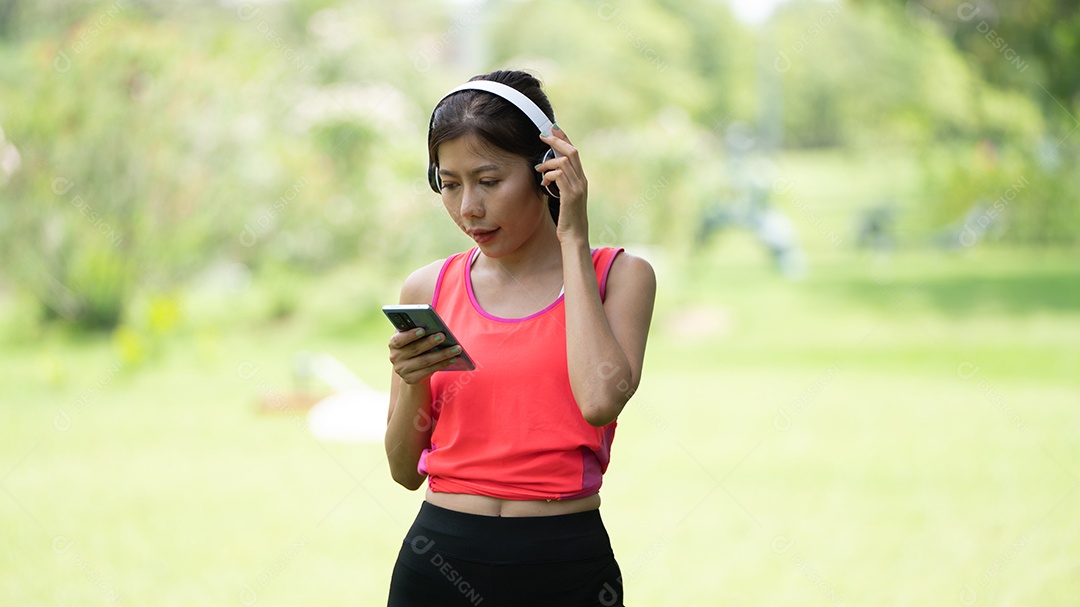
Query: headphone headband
[[511, 94]]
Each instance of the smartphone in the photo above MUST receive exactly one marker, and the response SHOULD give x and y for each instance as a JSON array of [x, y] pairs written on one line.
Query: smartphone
[[413, 316]]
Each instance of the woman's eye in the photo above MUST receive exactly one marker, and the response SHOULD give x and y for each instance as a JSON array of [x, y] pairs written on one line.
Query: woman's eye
[[489, 183], [447, 186]]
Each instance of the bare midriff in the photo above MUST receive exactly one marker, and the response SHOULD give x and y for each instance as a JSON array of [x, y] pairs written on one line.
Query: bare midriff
[[493, 506]]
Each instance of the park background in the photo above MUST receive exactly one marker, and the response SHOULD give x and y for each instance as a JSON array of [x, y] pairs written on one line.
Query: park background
[[862, 381]]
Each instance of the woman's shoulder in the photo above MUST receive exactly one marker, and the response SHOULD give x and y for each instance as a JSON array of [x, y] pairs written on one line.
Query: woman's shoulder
[[419, 287], [631, 273], [631, 265]]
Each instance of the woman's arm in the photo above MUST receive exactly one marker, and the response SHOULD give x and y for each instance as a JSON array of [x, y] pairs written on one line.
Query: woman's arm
[[409, 422], [605, 341]]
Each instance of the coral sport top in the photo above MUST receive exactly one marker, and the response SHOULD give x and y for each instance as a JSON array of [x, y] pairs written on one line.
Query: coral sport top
[[511, 429]]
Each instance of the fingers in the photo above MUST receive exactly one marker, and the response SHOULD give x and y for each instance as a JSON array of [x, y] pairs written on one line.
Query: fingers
[[557, 133], [413, 374], [551, 177], [404, 338], [566, 165], [559, 142], [408, 344], [417, 368], [414, 356]]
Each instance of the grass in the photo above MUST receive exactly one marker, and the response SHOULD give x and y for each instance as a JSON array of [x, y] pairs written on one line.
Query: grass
[[861, 441], [893, 431]]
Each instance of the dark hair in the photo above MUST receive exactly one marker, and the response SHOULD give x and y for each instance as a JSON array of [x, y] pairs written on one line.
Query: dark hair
[[495, 120]]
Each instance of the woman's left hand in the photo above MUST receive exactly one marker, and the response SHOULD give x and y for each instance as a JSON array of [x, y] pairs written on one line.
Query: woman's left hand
[[566, 172]]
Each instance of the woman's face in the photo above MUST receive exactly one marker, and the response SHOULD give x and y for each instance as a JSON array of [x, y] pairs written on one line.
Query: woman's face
[[491, 194]]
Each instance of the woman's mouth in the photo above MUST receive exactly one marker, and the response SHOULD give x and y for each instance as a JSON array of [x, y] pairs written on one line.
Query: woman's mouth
[[483, 236]]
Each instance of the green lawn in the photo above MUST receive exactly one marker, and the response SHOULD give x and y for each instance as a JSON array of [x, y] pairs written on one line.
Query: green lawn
[[889, 431]]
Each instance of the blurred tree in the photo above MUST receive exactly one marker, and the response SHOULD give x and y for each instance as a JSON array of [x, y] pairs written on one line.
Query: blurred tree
[[867, 76], [1013, 176], [617, 63], [648, 88], [8, 11], [143, 140], [146, 150], [1031, 46], [154, 143]]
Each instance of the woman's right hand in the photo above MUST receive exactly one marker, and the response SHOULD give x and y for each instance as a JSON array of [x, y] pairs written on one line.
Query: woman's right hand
[[414, 358]]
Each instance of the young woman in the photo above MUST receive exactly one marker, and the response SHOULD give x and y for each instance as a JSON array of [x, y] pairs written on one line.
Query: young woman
[[513, 451]]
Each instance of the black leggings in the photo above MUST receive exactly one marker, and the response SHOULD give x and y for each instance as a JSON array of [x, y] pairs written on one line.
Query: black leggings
[[451, 558]]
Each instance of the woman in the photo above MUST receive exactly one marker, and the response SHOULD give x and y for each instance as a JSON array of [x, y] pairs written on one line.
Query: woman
[[513, 451]]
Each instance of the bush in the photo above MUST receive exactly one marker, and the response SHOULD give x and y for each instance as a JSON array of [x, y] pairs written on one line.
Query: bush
[[145, 157], [1027, 195]]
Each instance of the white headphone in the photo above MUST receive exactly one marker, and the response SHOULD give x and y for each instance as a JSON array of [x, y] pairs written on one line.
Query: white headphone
[[523, 103]]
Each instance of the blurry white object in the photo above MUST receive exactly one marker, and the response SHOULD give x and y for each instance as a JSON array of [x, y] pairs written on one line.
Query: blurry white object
[[779, 235], [356, 416], [356, 413]]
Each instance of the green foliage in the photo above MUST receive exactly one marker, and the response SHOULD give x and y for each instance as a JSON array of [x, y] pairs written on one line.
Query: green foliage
[[857, 76], [100, 277], [647, 89], [149, 324], [618, 64], [1027, 46], [1008, 193], [143, 142], [130, 138], [652, 182]]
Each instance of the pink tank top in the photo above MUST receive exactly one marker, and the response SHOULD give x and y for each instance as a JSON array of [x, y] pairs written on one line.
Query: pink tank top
[[511, 429]]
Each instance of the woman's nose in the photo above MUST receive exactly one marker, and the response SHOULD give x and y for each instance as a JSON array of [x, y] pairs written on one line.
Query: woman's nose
[[472, 203]]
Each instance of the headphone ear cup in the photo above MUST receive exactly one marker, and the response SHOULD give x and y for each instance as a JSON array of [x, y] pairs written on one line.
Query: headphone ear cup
[[552, 189], [433, 178]]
